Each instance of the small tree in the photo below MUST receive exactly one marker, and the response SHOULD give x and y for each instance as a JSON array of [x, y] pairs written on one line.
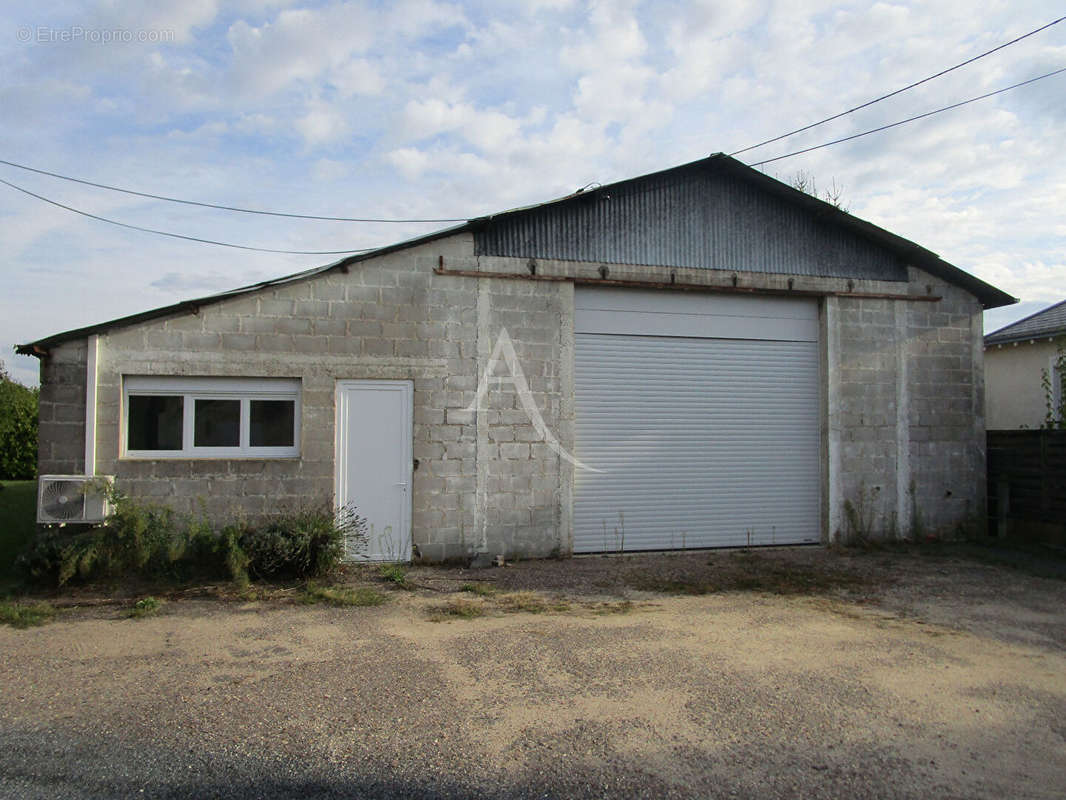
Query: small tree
[[1054, 383], [806, 183], [18, 429]]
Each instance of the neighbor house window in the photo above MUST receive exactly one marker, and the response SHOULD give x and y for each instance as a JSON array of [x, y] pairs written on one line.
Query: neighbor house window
[[177, 417]]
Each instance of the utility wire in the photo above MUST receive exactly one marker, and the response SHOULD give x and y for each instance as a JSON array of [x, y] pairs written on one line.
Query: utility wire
[[210, 205], [893, 94], [905, 121], [182, 236]]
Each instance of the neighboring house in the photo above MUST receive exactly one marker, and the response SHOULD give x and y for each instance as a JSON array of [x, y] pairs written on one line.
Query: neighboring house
[[728, 361], [1016, 359]]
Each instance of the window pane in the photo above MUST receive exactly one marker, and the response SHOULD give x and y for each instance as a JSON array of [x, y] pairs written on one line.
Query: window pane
[[217, 423], [272, 423], [155, 423]]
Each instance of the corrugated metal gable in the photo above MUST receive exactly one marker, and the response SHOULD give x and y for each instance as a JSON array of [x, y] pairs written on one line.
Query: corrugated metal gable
[[698, 218]]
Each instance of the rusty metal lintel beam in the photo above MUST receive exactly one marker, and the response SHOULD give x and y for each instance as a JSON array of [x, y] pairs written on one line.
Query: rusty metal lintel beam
[[685, 287]]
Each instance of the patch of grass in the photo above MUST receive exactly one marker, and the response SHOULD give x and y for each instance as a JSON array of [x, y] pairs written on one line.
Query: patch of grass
[[145, 607], [692, 586], [747, 572], [462, 607], [778, 579], [394, 574], [619, 607], [19, 615], [480, 589], [250, 593], [342, 595], [18, 523], [529, 602]]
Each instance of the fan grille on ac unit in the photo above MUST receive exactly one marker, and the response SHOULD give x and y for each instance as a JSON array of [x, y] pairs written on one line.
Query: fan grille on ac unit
[[63, 499]]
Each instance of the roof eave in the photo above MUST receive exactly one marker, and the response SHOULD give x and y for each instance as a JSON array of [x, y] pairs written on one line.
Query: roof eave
[[1047, 336]]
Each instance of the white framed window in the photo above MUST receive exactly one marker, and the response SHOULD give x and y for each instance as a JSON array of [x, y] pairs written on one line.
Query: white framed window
[[179, 417]]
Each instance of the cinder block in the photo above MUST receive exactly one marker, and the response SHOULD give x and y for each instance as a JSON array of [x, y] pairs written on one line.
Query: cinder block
[[513, 450], [377, 347], [294, 325], [310, 344], [409, 348], [202, 341], [276, 308]]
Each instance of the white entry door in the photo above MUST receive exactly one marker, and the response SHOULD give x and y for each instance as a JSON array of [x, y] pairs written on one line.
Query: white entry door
[[374, 426]]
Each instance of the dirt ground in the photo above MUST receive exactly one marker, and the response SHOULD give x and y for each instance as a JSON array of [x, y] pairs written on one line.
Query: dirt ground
[[771, 674]]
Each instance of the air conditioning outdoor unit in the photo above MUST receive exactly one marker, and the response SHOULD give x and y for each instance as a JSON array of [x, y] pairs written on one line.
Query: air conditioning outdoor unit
[[73, 498]]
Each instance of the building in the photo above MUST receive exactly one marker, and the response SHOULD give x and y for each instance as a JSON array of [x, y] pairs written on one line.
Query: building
[[1017, 359], [698, 357]]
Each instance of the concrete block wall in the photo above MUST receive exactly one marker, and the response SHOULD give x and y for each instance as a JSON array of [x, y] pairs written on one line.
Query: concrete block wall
[[905, 412], [520, 480], [485, 479], [867, 476], [61, 431], [903, 395], [947, 410]]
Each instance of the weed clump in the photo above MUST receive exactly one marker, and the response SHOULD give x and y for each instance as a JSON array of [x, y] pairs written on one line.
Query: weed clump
[[529, 602], [145, 607], [394, 574], [20, 615], [480, 589], [341, 595], [619, 607], [462, 607]]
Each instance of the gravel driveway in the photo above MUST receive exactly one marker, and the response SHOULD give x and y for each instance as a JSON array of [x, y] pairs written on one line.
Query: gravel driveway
[[876, 675]]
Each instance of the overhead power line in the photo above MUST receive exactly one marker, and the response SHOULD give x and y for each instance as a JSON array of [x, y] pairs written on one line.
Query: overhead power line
[[237, 209], [905, 121], [182, 236], [898, 91]]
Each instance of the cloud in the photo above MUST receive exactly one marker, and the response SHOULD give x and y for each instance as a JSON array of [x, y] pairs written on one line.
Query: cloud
[[298, 45], [321, 124], [488, 130], [357, 77], [410, 161], [326, 169], [177, 20], [189, 282]]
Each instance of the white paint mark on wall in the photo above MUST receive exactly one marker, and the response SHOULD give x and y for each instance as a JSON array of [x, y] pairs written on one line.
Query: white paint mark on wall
[[504, 348]]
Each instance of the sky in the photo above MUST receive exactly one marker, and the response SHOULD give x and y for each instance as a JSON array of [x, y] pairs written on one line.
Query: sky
[[427, 109]]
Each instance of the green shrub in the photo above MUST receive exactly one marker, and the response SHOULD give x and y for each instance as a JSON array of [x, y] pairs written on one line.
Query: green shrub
[[149, 540], [138, 538], [18, 429], [18, 525], [304, 543]]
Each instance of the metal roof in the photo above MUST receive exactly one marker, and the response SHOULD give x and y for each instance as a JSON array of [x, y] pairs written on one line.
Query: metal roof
[[486, 227], [702, 217], [1049, 322]]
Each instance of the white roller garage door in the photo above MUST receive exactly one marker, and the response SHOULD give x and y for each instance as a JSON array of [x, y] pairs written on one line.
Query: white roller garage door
[[703, 413]]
